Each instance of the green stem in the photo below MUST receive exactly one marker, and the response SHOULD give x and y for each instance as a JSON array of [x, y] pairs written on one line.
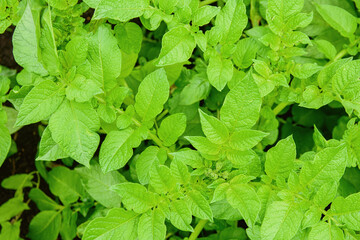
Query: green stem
[[280, 107], [343, 52], [206, 2], [163, 114], [254, 15], [198, 229]]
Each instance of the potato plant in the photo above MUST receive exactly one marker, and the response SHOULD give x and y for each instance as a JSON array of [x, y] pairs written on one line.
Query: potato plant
[[184, 119]]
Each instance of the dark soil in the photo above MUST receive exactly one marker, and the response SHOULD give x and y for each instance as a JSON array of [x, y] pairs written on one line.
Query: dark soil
[[26, 140], [23, 161], [6, 48]]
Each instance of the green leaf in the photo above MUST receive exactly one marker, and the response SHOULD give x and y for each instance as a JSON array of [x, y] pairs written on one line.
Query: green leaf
[[203, 145], [189, 157], [199, 206], [129, 37], [280, 159], [177, 46], [246, 139], [118, 222], [282, 221], [220, 71], [203, 15], [43, 100], [213, 128], [180, 171], [279, 12], [245, 52], [152, 225], [150, 156], [197, 90], [346, 81], [121, 10], [135, 196], [338, 18], [76, 51], [68, 228], [327, 48], [17, 181], [26, 41], [306, 70], [116, 150], [161, 179], [47, 44], [180, 215], [153, 92], [104, 56], [10, 231], [45, 226], [82, 89], [49, 150], [62, 4], [73, 127], [98, 185], [171, 128], [325, 231], [328, 165], [244, 198], [5, 143], [65, 184], [347, 210], [242, 104], [231, 21], [11, 208], [42, 201]]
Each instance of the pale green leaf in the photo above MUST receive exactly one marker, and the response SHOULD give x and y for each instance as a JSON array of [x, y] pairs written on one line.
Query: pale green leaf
[[116, 150], [325, 231], [199, 206], [73, 127], [135, 196], [153, 92], [180, 215], [43, 100], [282, 221], [246, 139], [49, 150], [122, 10], [242, 104], [118, 223], [338, 18], [161, 179], [280, 159], [98, 185], [17, 181], [47, 44], [26, 41], [328, 165], [244, 198], [177, 46], [347, 210], [213, 128], [203, 15], [220, 71], [171, 128], [152, 225], [104, 56]]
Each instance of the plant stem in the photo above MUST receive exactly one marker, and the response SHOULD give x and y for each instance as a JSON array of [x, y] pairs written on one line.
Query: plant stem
[[163, 114], [280, 107], [198, 229], [254, 15], [206, 2]]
